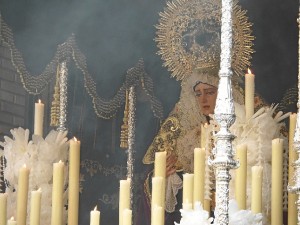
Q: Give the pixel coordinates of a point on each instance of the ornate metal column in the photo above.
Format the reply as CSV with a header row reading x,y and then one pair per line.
x,y
63,96
224,114
131,141
296,177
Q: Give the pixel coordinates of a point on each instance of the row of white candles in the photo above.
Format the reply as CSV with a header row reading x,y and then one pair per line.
x,y
57,194
193,186
276,159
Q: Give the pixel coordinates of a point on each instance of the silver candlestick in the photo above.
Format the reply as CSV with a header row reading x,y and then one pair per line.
x,y
295,187
131,140
223,157
63,96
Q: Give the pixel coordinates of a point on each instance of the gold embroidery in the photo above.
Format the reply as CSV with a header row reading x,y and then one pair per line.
x,y
165,140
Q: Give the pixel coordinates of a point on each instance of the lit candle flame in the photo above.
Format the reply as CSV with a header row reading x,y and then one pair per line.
x,y
12,218
40,189
95,208
40,101
24,166
249,71
75,139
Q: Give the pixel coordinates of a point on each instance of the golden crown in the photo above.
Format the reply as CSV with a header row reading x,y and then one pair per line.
x,y
189,37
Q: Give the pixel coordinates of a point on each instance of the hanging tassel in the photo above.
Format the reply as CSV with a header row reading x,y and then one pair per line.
x,y
124,127
55,102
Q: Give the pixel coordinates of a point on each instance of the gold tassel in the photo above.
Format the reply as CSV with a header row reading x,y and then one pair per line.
x,y
124,127
55,103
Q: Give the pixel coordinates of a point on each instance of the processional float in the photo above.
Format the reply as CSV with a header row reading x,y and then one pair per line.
x,y
223,160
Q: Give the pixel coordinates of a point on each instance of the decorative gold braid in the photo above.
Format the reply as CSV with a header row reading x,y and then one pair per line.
x,y
289,99
188,37
106,109
124,127
165,140
56,102
147,189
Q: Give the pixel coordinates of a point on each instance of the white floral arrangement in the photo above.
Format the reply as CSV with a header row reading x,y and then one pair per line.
x,y
195,217
236,216
38,154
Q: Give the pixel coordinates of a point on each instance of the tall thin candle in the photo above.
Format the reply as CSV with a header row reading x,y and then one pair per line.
x,y
160,164
95,217
256,189
57,193
22,195
249,94
127,217
188,185
160,171
3,208
74,173
158,219
124,200
199,175
38,119
277,185
241,177
35,207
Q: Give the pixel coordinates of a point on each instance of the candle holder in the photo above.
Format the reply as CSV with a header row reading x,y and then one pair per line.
x,y
131,141
223,155
63,96
295,187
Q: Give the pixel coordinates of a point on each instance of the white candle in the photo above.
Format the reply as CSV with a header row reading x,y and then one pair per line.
x,y
160,171
158,219
188,184
157,187
35,209
95,217
11,221
241,177
277,174
57,193
203,139
3,208
256,189
38,119
22,195
249,94
160,164
292,197
199,175
74,173
157,194
124,200
127,217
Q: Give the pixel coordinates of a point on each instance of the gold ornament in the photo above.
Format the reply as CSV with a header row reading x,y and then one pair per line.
x,y
124,127
189,37
165,140
55,103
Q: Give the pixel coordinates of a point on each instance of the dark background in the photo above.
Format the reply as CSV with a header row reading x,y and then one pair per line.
x,y
114,35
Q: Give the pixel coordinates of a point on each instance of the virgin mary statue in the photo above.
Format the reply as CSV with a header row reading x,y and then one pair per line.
x,y
188,37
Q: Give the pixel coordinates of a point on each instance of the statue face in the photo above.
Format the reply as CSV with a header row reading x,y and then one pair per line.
x,y
206,96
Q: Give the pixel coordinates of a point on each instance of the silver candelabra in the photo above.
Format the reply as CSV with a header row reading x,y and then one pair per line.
x,y
223,157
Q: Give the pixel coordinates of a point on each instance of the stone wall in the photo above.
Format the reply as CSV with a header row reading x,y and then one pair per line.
x,y
13,97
